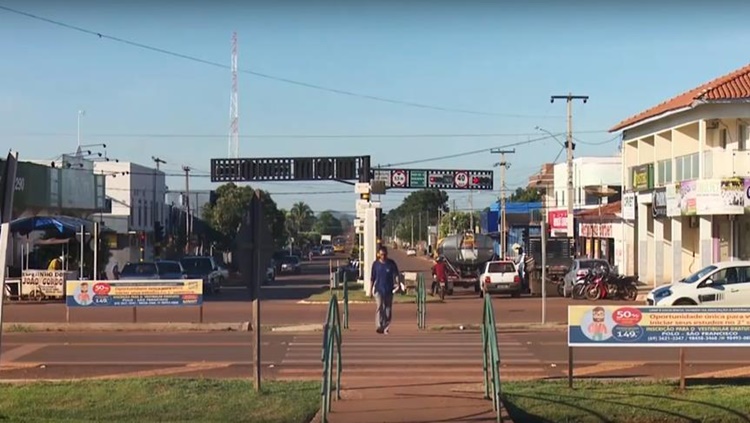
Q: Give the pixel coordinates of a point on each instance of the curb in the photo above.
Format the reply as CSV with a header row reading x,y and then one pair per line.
x,y
126,327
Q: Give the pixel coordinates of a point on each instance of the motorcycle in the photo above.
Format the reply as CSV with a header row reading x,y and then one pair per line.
x,y
581,285
606,286
438,288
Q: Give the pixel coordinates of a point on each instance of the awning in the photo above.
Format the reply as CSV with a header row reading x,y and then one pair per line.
x,y
64,225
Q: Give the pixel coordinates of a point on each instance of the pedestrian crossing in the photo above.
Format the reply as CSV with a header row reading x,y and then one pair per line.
x,y
415,354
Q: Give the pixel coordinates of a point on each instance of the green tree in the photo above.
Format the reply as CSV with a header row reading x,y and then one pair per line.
x,y
423,205
525,195
454,222
327,224
300,218
231,204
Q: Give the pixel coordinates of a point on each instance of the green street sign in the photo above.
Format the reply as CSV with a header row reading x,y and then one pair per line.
x,y
418,179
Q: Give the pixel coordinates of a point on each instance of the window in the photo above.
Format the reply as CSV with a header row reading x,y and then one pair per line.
x,y
140,213
742,136
687,167
664,172
557,203
501,267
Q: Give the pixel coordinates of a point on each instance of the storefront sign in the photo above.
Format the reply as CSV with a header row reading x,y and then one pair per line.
x,y
708,197
658,326
747,194
628,206
642,177
44,283
134,293
659,205
557,220
595,230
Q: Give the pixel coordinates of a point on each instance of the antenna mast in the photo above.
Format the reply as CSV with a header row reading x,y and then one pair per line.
x,y
234,111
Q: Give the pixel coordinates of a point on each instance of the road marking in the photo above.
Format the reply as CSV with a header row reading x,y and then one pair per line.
x,y
735,372
18,352
386,344
448,355
605,367
192,367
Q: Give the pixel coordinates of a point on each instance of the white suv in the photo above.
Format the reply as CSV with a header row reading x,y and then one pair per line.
x,y
723,284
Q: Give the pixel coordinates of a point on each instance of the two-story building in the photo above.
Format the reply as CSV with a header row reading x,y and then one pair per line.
x,y
686,167
137,194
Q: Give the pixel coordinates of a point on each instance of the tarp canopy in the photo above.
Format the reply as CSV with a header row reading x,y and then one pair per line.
x,y
64,225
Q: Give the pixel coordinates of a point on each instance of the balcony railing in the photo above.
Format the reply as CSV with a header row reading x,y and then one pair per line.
x,y
726,164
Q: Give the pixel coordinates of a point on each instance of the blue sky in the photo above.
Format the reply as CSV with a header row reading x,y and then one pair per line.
x,y
503,59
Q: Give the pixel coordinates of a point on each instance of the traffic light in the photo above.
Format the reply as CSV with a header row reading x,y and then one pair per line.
x,y
364,196
158,232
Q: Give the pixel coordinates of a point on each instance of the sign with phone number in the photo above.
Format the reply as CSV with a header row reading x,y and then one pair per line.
x,y
129,293
614,326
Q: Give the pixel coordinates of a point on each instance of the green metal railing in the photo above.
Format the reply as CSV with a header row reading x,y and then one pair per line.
x,y
346,300
421,302
491,356
331,352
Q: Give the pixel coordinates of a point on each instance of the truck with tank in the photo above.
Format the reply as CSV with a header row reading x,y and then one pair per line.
x,y
465,255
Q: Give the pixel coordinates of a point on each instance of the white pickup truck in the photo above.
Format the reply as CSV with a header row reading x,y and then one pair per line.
x,y
501,277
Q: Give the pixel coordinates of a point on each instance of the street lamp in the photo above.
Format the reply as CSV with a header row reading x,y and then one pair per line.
x,y
80,113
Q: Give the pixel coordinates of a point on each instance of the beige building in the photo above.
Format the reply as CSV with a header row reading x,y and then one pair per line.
x,y
686,167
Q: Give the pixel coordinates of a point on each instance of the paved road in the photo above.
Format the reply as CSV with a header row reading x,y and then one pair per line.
x,y
367,355
280,305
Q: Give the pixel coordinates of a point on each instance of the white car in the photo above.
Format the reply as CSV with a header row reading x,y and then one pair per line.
x,y
501,277
723,284
411,252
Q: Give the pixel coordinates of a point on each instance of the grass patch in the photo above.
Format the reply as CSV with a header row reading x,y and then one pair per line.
x,y
357,293
143,400
626,401
16,328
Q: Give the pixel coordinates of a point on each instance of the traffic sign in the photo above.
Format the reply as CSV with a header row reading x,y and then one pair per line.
x,y
461,179
382,175
418,179
481,180
398,178
291,169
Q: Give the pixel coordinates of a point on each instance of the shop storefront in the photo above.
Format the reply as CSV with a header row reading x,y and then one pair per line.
x,y
599,232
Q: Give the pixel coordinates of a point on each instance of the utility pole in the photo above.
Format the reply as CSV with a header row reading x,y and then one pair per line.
x,y
187,170
504,165
471,210
569,201
155,216
412,231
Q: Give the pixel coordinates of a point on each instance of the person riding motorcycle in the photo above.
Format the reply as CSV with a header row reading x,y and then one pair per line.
x,y
439,273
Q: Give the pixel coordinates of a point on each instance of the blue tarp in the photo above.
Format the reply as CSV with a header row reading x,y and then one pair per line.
x,y
63,224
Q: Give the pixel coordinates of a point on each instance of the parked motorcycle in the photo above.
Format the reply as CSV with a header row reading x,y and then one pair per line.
x,y
608,286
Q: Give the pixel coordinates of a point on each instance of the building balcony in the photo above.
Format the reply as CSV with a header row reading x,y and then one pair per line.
x,y
726,164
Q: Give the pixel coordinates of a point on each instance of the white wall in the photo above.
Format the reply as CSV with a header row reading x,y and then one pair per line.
x,y
587,171
131,188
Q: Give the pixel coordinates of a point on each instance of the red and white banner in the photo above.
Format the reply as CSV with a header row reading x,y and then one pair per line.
x,y
557,220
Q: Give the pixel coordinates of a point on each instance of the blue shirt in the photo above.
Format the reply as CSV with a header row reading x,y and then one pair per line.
x,y
383,275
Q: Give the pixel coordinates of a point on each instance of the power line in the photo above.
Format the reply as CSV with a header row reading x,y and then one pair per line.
x,y
607,141
261,74
290,136
467,153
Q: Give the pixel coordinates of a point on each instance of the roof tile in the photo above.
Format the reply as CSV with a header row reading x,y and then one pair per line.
x,y
732,86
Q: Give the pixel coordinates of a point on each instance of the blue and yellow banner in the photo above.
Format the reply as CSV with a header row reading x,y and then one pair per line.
x,y
590,326
133,293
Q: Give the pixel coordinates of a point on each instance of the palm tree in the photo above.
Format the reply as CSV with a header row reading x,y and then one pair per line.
x,y
300,218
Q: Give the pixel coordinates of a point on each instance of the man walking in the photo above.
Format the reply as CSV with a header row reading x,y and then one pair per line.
x,y
384,274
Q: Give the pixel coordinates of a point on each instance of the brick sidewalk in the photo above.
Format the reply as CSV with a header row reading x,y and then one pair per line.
x,y
413,401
